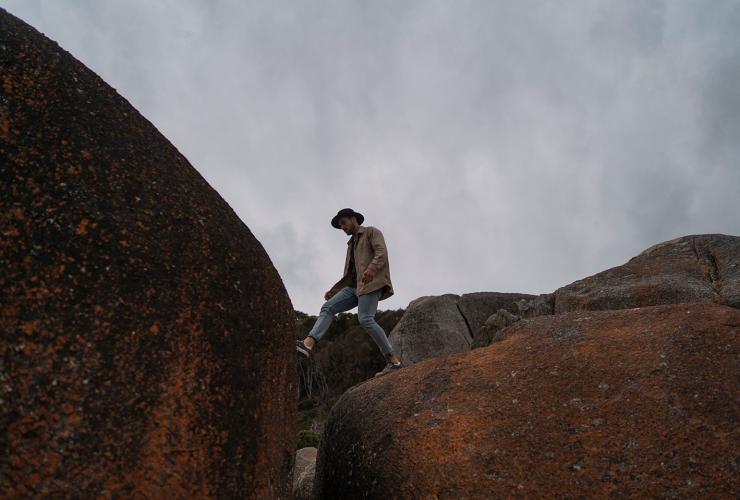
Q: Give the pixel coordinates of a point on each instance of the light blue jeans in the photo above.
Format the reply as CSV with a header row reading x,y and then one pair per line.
x,y
367,305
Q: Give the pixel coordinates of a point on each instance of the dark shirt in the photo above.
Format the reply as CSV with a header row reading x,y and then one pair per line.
x,y
352,270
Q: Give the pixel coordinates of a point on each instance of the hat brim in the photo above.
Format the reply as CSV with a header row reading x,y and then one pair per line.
x,y
335,219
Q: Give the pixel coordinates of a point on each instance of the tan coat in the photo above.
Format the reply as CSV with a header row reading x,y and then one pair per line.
x,y
370,250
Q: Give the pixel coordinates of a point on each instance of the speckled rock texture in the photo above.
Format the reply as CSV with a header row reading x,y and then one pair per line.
x,y
437,325
696,268
491,329
145,349
303,475
477,307
431,326
587,404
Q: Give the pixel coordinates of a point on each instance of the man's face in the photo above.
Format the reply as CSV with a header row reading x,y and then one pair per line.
x,y
347,224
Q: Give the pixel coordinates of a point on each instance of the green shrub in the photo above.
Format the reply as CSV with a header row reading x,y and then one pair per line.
x,y
307,438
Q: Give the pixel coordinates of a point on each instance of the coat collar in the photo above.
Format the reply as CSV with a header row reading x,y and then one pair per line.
x,y
360,230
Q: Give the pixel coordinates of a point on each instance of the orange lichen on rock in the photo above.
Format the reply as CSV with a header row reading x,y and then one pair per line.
x,y
635,402
82,226
116,378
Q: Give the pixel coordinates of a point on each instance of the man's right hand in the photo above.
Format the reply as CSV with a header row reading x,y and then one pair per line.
x,y
329,294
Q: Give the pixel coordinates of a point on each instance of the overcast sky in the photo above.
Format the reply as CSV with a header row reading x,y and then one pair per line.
x,y
499,146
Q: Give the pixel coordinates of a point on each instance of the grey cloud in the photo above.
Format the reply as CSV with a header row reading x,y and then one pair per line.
x,y
510,146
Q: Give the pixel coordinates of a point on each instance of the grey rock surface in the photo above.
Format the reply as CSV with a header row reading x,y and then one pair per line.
x,y
476,307
431,326
494,324
437,325
701,268
303,473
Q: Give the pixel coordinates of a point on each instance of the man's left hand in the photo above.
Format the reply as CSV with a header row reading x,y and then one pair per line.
x,y
368,275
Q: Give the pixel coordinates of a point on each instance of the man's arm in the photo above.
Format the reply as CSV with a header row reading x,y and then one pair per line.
x,y
376,239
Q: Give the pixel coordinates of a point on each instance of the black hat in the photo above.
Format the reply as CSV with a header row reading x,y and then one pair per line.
x,y
346,212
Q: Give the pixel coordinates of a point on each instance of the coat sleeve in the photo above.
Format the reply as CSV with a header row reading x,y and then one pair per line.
x,y
378,243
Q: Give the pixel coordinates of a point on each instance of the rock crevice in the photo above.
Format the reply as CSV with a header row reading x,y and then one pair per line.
x,y
470,333
707,262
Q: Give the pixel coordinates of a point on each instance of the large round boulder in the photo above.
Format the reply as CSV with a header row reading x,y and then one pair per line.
x,y
437,325
146,335
695,268
629,403
431,326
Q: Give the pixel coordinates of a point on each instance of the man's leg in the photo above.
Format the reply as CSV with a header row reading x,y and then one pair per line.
x,y
367,307
344,300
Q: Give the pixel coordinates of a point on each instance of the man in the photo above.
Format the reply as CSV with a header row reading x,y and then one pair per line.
x,y
367,258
